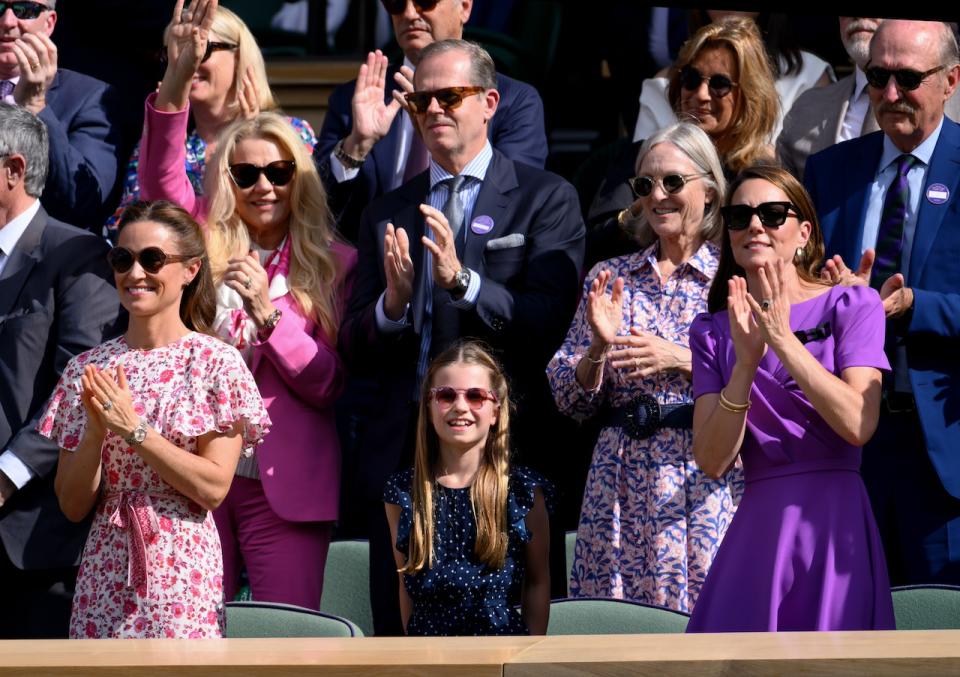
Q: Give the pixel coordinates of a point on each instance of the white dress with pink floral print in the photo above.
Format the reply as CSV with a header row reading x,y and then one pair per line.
x,y
152,565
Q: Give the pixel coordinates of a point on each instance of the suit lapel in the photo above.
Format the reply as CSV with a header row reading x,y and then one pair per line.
x,y
24,257
944,169
492,201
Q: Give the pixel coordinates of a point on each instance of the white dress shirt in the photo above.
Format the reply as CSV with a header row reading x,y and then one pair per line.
x,y
857,109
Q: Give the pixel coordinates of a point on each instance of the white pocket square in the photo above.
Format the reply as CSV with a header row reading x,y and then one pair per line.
x,y
507,242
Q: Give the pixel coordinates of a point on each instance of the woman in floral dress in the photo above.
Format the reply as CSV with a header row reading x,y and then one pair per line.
x,y
150,427
651,521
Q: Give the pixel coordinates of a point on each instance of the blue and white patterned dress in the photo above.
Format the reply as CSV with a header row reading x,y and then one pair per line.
x,y
651,520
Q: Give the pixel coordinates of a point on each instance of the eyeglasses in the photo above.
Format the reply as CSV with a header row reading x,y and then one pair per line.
x,y
771,214
278,173
152,259
24,10
445,396
642,186
718,85
399,6
211,48
907,78
448,98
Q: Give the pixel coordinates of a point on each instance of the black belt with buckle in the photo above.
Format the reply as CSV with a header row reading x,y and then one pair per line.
x,y
644,416
899,403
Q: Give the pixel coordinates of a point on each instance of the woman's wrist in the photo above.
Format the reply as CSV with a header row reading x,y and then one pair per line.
x,y
598,349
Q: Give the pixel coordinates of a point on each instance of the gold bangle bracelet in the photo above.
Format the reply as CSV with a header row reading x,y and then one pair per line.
x,y
733,406
593,361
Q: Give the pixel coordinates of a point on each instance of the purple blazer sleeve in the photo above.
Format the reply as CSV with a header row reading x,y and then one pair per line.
x,y
704,347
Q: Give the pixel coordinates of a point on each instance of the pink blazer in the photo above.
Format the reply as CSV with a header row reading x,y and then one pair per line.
x,y
298,370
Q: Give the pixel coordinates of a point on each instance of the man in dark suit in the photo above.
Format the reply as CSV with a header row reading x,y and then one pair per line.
x,y
892,197
478,246
56,300
79,112
368,147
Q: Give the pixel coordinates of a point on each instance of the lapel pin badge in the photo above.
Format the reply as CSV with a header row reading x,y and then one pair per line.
x,y
481,225
937,193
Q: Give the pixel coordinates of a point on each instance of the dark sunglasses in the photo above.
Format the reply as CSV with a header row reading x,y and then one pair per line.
x,y
399,6
771,214
211,48
718,85
447,395
448,98
24,10
152,259
278,173
642,186
907,78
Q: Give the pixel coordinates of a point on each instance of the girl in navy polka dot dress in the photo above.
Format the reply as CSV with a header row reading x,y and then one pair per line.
x,y
470,532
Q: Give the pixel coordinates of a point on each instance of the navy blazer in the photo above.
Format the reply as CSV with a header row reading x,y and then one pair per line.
x,y
56,300
517,130
84,149
839,179
527,297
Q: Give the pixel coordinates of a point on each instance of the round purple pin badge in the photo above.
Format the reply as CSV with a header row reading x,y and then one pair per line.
x,y
937,193
481,225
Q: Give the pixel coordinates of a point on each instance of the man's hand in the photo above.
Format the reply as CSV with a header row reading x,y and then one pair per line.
x,y
7,488
443,246
896,298
836,271
37,59
371,116
398,269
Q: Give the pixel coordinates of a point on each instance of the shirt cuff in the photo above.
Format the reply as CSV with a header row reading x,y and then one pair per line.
x,y
469,299
15,469
341,173
384,323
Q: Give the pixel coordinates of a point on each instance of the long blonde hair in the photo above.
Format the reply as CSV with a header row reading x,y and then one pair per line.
x,y
748,138
488,494
313,266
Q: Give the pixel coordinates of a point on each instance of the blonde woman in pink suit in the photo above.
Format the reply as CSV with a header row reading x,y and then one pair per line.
x,y
283,278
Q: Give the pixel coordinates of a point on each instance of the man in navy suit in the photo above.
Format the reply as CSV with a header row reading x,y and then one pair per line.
x,y
367,145
478,245
891,201
56,300
78,111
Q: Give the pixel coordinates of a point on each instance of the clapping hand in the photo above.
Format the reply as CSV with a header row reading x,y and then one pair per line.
x,y
398,269
37,62
605,311
642,354
247,277
772,314
443,247
748,342
111,398
248,96
835,270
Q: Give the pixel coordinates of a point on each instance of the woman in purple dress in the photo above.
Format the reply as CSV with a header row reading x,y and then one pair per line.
x,y
786,374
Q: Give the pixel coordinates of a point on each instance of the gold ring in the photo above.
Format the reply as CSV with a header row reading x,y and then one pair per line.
x,y
636,361
34,65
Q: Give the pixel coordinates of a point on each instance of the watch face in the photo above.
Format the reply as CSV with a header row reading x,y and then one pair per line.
x,y
140,434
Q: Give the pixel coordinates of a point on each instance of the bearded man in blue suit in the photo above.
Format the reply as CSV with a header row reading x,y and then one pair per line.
x,y
889,205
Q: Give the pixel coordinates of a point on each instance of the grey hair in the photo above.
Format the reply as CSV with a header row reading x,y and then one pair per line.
x,y
694,143
483,71
23,133
949,51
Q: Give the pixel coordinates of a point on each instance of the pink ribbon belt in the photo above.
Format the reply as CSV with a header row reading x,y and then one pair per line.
x,y
134,513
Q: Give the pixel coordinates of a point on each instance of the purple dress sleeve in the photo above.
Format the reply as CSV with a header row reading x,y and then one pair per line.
x,y
860,326
704,347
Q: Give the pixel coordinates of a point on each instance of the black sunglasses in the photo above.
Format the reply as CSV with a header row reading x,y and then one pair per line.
x,y
448,98
907,78
24,10
399,6
278,173
718,85
211,48
771,214
447,395
152,259
642,186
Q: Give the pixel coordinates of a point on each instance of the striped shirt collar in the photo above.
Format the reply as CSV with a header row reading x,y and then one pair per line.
x,y
476,168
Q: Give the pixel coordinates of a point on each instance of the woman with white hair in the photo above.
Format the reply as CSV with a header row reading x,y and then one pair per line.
x,y
651,521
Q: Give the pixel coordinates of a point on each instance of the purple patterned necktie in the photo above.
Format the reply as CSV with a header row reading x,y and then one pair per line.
x,y
6,89
890,233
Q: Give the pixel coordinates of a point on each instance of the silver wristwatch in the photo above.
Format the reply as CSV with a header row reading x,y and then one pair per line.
x,y
346,159
138,435
461,283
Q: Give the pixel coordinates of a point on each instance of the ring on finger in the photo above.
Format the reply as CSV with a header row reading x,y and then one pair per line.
x,y
636,362
107,405
766,304
247,283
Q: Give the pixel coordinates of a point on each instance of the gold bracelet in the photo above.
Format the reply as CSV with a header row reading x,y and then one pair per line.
x,y
593,361
732,406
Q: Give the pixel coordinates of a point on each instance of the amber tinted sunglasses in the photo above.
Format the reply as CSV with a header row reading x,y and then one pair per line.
x,y
448,98
152,259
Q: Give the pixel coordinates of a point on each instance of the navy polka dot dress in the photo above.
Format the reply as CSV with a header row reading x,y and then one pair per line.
x,y
460,595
